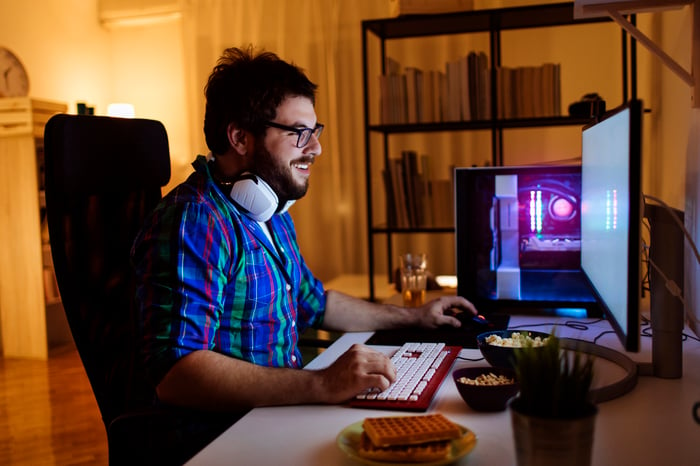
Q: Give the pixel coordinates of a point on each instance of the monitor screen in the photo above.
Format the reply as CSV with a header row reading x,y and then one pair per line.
x,y
611,214
518,235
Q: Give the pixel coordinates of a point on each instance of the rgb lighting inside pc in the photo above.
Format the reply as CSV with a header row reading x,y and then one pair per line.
x,y
519,237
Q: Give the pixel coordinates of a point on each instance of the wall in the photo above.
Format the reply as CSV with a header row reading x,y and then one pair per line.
x,y
71,58
60,43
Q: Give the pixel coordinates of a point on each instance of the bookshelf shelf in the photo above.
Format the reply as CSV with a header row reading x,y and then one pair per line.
x,y
379,33
402,27
479,124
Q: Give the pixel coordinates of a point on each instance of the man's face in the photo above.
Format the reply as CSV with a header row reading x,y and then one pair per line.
x,y
277,160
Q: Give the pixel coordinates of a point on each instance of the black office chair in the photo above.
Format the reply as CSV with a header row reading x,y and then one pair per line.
x,y
103,176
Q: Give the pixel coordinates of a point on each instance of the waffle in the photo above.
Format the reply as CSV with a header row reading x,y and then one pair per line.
x,y
409,430
420,453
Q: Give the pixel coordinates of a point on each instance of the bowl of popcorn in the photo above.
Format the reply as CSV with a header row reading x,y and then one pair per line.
x,y
498,347
486,388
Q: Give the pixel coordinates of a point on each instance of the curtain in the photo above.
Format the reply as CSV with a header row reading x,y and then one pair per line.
x,y
324,38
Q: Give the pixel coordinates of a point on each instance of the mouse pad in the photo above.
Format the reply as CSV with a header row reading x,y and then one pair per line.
x,y
464,336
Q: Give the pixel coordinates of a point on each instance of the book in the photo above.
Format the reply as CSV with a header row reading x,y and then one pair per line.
x,y
412,186
444,98
426,95
438,78
484,88
473,85
454,98
391,210
412,108
548,89
426,198
392,93
465,89
399,197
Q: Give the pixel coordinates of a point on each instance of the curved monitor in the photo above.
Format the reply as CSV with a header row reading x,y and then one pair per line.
x,y
612,207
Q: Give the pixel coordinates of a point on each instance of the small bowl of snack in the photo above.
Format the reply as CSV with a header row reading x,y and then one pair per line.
x,y
486,388
498,347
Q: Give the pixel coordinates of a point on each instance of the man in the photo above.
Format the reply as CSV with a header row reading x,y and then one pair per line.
x,y
223,289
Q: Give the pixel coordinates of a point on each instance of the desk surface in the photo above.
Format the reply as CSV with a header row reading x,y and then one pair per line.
x,y
651,425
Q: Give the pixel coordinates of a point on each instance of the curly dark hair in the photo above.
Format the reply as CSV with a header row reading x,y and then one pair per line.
x,y
246,88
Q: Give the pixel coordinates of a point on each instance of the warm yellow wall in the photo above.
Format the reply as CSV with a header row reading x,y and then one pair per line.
x,y
62,46
149,71
669,123
71,58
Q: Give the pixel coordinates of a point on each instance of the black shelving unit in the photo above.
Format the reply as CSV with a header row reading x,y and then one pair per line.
x,y
493,22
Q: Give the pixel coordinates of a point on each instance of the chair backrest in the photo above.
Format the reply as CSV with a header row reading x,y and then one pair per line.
x,y
103,176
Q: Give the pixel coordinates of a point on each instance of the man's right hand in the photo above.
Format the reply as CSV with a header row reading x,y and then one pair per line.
x,y
356,370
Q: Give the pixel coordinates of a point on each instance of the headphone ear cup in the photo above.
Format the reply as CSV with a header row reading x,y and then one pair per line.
x,y
255,197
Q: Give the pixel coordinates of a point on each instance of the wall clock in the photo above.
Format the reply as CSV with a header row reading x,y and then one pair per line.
x,y
14,81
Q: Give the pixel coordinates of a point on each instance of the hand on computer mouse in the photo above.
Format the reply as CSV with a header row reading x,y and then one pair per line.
x,y
438,312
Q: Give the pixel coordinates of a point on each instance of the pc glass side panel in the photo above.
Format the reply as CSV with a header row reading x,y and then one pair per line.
x,y
518,238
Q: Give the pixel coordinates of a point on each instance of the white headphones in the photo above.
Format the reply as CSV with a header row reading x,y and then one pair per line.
x,y
256,198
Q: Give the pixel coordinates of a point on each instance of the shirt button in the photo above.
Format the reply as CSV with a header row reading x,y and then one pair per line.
x,y
289,287
294,323
294,359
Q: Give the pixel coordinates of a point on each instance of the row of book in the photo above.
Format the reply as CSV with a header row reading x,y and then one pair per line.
x,y
463,91
415,198
529,91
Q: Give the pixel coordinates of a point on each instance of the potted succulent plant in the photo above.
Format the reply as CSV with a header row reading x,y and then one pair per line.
x,y
552,416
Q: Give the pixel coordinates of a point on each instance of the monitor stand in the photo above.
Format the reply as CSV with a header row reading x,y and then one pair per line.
x,y
666,250
666,310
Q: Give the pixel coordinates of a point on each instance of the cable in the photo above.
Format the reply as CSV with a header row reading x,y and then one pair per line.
x,y
600,335
645,329
674,289
576,325
646,282
671,285
470,359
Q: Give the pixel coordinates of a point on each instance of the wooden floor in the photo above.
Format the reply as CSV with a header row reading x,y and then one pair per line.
x,y
48,415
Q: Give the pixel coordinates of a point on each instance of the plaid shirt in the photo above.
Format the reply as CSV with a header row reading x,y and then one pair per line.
x,y
208,277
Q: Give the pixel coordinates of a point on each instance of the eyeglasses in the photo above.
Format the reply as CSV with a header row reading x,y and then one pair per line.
x,y
303,134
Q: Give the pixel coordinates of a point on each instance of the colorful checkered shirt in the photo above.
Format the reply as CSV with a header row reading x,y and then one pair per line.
x,y
208,277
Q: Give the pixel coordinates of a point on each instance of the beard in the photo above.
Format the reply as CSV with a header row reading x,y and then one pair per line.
x,y
278,175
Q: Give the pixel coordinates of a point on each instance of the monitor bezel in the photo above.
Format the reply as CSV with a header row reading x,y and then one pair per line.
x,y
628,335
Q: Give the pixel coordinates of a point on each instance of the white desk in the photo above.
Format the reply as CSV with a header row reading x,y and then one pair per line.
x,y
651,425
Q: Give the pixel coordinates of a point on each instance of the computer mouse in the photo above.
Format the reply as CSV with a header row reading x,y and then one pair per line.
x,y
481,320
468,319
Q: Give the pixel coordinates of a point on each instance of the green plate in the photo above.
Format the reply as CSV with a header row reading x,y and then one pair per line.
x,y
349,441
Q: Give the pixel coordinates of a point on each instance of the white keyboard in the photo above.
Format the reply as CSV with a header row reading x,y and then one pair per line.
x,y
420,369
